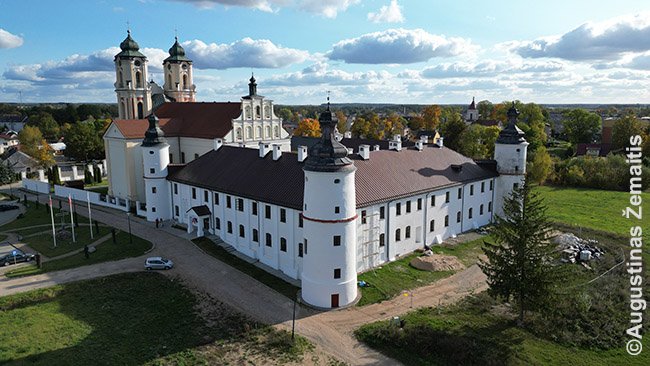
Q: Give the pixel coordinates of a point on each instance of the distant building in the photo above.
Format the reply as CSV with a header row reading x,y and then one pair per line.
x,y
19,162
471,115
12,122
7,140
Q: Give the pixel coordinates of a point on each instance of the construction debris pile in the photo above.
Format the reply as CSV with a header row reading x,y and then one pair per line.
x,y
577,250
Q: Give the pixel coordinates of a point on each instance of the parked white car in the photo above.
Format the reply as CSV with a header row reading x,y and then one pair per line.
x,y
158,263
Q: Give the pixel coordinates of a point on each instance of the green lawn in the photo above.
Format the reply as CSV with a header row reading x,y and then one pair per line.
x,y
394,277
106,251
472,333
257,273
590,208
131,319
33,216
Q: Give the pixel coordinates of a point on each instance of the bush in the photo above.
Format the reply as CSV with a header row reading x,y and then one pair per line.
x,y
610,173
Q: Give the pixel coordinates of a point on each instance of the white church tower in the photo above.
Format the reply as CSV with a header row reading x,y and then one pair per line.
x,y
510,154
133,91
472,113
155,159
179,84
329,274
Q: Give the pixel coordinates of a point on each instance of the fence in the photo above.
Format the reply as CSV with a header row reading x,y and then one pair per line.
x,y
78,194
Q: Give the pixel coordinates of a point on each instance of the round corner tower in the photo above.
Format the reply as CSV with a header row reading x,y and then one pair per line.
x,y
329,274
155,159
510,152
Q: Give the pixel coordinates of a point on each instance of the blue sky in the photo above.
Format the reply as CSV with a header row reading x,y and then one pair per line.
x,y
395,51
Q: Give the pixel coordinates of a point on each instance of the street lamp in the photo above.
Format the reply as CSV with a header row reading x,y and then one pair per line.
x,y
128,217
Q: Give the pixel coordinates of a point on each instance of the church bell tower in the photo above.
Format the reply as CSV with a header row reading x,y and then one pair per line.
x,y
179,85
133,91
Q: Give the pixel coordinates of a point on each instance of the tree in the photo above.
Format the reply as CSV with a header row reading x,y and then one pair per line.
x,y
477,141
44,155
6,174
82,142
623,129
30,138
285,114
308,127
431,117
392,125
540,166
452,130
485,108
342,125
581,126
518,265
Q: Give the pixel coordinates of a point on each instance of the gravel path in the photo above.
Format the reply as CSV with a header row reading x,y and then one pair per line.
x,y
332,331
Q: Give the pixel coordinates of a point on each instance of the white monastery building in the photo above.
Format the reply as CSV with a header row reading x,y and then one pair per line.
x,y
320,215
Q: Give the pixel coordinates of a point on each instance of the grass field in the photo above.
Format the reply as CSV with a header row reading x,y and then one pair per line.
x,y
257,273
394,277
106,251
132,319
591,208
474,332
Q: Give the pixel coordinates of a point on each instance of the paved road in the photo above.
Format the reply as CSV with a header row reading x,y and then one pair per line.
x,y
330,330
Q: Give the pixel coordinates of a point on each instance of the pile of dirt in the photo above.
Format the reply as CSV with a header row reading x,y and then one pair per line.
x,y
437,262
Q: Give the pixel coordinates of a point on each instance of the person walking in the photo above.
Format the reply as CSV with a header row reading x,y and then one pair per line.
x,y
157,223
86,251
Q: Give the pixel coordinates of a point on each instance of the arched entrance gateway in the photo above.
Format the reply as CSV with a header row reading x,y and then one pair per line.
x,y
198,217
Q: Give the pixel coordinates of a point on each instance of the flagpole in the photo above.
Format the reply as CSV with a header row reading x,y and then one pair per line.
x,y
52,217
90,218
74,240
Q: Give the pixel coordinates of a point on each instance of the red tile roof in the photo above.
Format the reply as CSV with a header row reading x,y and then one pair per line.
x,y
200,120
387,175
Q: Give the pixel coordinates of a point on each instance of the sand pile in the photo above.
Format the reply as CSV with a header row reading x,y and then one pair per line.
x,y
437,262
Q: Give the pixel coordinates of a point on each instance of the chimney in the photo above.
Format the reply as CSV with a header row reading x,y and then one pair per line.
x,y
347,135
241,144
277,151
419,145
424,138
364,152
264,149
302,153
350,151
397,138
375,148
395,145
440,142
217,144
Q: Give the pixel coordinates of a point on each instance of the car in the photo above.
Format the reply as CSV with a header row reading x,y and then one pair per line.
x,y
16,256
158,263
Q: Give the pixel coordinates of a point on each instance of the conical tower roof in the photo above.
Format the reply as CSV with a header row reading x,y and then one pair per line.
x,y
129,47
511,134
328,155
177,52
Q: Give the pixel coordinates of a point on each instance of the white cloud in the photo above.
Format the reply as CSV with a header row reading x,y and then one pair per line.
x,y
399,46
320,73
263,5
8,40
592,41
391,13
326,8
637,61
487,68
242,53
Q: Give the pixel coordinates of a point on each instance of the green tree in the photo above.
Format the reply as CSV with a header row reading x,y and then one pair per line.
x,y
581,126
30,138
485,109
452,129
6,174
285,114
623,129
82,142
519,266
540,166
342,125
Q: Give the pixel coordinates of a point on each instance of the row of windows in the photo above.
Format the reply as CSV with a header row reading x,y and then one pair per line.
x,y
258,132
258,112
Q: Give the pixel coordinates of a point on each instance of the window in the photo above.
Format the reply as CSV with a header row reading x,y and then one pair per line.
x,y
447,221
238,133
458,217
176,210
470,213
276,131
206,196
152,171
182,157
480,210
491,184
258,112
398,235
228,201
153,189
398,208
175,188
408,206
217,223
446,197
153,209
254,208
433,201
240,204
267,212
337,273
196,156
337,209
269,240
256,236
419,204
460,193
249,132
229,227
407,234
482,187
193,193
283,244
382,213
283,215
337,181
216,198
305,246
150,151
242,233
382,239
471,189
300,249
432,225
363,217
171,158
300,220
515,185
489,206
337,240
